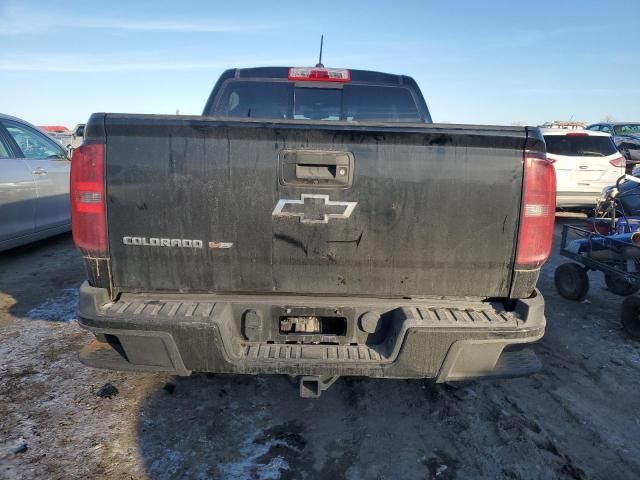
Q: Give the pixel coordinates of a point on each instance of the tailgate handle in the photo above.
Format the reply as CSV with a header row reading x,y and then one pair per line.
x,y
305,171
316,168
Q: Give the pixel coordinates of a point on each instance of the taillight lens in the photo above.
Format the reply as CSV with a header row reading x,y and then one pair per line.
x,y
618,161
538,211
88,221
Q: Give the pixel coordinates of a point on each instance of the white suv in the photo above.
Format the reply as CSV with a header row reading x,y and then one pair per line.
x,y
586,162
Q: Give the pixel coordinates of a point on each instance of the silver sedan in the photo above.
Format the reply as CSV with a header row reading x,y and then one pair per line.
x,y
34,184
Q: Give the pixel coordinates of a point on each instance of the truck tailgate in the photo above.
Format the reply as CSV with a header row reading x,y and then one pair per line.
x,y
201,205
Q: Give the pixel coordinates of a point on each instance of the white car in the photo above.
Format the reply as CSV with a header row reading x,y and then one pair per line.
x,y
585,162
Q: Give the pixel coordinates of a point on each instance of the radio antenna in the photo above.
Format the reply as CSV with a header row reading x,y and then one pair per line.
x,y
319,64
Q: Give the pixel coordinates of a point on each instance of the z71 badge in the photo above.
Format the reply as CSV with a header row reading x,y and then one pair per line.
x,y
216,245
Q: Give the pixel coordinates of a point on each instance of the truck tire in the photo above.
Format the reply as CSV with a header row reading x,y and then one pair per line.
x,y
620,286
631,317
571,281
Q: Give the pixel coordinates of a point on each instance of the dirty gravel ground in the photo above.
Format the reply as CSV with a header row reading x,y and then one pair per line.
x,y
577,419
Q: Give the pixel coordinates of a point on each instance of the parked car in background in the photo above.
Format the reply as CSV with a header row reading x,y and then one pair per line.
x,y
69,139
59,133
566,125
77,137
626,136
586,162
34,184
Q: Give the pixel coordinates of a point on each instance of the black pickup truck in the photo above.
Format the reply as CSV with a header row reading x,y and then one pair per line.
x,y
312,222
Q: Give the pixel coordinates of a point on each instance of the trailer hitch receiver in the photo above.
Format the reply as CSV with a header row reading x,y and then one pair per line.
x,y
312,386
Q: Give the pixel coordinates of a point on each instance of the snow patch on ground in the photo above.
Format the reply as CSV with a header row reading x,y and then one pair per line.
x,y
248,465
58,309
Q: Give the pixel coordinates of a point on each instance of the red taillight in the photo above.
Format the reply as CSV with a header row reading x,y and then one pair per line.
x,y
538,211
618,161
317,74
88,221
577,134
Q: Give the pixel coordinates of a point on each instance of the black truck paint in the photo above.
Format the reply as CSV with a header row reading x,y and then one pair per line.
x,y
402,234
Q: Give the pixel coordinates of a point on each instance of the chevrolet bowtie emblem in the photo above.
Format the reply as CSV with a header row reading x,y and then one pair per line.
x,y
313,208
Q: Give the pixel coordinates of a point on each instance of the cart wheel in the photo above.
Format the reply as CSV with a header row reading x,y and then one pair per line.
x,y
631,317
620,286
571,281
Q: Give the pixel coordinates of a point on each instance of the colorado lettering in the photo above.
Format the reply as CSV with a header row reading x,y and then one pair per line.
x,y
162,242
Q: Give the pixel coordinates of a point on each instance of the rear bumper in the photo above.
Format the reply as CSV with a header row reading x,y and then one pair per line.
x,y
441,339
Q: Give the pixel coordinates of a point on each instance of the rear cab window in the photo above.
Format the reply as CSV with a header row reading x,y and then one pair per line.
x,y
273,99
580,145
